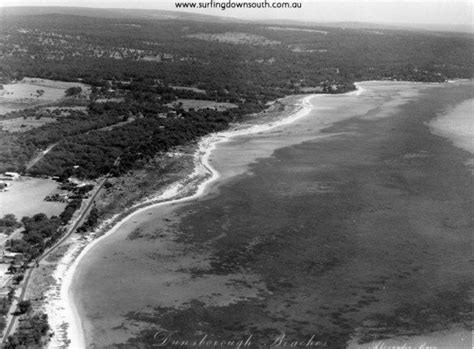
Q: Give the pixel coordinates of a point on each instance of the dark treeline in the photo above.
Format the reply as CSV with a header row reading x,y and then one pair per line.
x,y
122,148
30,333
18,148
39,229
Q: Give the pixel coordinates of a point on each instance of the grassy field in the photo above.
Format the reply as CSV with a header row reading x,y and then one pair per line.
x,y
25,197
22,124
235,38
201,104
29,93
187,88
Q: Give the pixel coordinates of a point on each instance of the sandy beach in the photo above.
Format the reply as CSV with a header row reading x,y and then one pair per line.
x,y
61,309
64,316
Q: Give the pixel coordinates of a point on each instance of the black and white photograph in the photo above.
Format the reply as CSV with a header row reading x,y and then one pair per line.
x,y
236,174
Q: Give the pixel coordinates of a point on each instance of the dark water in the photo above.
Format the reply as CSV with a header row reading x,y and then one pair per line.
x,y
365,234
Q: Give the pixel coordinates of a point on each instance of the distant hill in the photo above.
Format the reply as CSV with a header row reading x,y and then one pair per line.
x,y
112,13
180,15
454,28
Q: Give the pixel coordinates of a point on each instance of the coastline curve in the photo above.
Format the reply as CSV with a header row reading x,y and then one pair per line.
x,y
192,187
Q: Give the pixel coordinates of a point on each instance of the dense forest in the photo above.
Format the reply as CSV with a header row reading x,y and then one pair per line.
x,y
137,66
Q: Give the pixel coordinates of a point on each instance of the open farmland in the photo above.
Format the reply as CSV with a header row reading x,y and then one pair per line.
x,y
24,124
235,38
187,88
25,197
197,104
29,93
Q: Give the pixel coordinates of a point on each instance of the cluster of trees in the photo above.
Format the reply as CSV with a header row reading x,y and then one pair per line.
x,y
16,149
69,210
8,224
123,148
85,150
90,222
23,307
73,91
39,230
30,333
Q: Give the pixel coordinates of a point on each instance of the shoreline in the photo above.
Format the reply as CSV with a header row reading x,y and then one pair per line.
x,y
187,189
69,325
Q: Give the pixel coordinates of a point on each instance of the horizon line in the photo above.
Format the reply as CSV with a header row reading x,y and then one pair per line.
x,y
398,25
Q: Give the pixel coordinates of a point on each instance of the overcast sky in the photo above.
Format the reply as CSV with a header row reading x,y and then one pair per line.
x,y
403,11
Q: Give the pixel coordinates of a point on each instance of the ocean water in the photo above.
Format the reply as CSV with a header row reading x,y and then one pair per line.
x,y
457,123
351,224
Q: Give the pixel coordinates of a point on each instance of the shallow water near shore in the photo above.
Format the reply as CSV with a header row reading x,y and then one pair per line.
x,y
457,124
352,223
